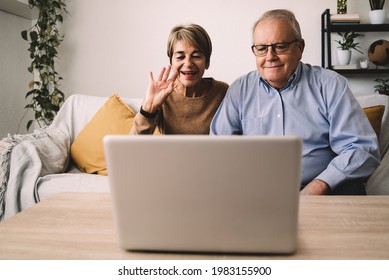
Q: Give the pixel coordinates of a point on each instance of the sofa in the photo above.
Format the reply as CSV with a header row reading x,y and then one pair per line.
x,y
38,165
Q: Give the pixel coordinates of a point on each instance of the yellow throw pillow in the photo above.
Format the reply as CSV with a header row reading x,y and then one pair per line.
x,y
87,151
374,114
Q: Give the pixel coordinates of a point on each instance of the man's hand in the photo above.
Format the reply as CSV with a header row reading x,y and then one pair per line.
x,y
315,187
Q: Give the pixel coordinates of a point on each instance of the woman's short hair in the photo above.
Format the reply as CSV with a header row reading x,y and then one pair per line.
x,y
193,34
281,14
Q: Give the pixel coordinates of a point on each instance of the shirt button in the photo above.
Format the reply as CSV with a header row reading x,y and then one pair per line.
x,y
278,116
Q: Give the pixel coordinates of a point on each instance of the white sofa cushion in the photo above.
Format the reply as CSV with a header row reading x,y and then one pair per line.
x,y
70,182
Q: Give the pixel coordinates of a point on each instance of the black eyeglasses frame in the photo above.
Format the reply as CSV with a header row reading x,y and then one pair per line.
x,y
273,47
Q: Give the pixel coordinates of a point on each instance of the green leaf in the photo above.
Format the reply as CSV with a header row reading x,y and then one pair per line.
x,y
56,4
49,115
42,24
29,123
34,36
31,92
24,35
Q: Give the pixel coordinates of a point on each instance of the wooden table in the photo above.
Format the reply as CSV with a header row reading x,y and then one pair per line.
x,y
80,226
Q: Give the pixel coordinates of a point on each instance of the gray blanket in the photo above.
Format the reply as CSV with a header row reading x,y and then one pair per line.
x,y
25,158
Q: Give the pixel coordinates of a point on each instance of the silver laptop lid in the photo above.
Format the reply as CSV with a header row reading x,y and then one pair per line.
x,y
205,193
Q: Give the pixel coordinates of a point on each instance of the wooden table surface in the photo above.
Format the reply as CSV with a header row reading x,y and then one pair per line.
x,y
80,226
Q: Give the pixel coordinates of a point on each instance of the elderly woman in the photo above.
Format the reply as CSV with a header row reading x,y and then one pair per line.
x,y
185,102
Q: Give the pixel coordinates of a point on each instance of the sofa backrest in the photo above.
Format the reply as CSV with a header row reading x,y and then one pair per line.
x,y
79,109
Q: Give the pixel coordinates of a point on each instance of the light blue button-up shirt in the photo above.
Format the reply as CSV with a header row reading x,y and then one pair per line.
x,y
317,105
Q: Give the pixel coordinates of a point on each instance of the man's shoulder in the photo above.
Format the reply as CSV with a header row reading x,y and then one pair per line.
x,y
319,71
250,77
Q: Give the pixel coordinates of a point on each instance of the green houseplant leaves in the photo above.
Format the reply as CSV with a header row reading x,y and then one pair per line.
x,y
347,42
376,4
45,97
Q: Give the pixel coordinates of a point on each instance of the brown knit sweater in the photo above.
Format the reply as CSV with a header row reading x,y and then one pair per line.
x,y
184,115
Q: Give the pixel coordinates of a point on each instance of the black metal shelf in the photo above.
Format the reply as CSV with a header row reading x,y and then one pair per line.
x,y
333,27
327,28
360,71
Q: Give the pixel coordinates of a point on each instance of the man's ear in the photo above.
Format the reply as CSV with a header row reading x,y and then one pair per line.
x,y
301,45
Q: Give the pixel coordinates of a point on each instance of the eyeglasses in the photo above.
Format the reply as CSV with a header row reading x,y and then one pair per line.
x,y
277,48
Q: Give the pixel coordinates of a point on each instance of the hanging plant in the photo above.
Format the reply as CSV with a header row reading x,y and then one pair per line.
x,y
45,97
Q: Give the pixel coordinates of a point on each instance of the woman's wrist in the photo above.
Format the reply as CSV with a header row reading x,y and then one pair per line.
x,y
149,106
147,114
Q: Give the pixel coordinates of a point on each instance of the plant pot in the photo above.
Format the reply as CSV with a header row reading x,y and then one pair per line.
x,y
344,57
377,16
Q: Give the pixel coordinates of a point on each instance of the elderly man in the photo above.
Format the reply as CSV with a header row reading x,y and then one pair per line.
x,y
288,97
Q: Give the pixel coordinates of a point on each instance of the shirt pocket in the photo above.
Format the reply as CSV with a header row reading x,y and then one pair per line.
x,y
257,125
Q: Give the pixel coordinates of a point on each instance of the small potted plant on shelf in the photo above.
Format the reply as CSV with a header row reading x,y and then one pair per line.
x,y
382,86
377,15
346,44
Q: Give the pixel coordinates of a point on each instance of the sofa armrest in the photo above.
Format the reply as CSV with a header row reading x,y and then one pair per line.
x,y
27,158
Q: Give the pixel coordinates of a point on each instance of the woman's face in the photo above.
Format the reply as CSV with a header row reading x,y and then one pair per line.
x,y
189,62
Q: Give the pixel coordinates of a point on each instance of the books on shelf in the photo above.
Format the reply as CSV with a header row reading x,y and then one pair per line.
x,y
344,67
345,18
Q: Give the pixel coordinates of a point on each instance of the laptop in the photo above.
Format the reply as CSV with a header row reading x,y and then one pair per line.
x,y
221,194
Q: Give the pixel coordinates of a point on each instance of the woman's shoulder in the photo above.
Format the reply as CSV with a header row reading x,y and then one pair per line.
x,y
216,83
216,89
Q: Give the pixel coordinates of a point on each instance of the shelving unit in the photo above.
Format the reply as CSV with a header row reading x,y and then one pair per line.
x,y
327,28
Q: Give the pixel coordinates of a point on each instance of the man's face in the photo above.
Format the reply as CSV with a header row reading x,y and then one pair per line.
x,y
277,68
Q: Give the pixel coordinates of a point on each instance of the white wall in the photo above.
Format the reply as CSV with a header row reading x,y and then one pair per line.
x,y
110,46
14,77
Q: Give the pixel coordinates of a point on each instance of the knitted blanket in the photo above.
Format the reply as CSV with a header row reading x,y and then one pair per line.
x,y
6,146
36,154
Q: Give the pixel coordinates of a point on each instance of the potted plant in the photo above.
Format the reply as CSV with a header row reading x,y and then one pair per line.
x,y
346,44
44,38
377,15
382,86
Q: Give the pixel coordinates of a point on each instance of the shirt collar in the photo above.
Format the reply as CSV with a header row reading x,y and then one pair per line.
x,y
293,80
